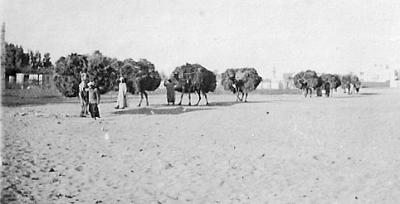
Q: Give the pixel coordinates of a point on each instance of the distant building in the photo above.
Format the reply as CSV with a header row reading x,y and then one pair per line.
x,y
285,82
395,78
265,84
379,73
288,81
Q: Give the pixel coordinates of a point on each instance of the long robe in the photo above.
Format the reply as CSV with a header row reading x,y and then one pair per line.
x,y
170,86
94,100
84,98
121,100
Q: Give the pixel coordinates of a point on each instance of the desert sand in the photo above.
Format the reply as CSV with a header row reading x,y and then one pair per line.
x,y
273,149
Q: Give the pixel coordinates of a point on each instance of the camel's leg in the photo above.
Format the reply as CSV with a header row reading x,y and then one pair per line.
x,y
310,93
205,96
245,100
199,98
141,99
305,92
237,94
147,100
180,102
190,101
241,99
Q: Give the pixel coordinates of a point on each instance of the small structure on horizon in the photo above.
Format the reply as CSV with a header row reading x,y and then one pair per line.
x,y
395,79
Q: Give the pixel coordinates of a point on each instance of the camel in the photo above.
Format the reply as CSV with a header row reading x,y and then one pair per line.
x,y
350,83
147,82
307,81
241,81
330,83
141,77
194,78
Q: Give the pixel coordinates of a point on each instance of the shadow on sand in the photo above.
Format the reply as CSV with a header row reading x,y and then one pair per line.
x,y
231,103
368,94
173,110
356,95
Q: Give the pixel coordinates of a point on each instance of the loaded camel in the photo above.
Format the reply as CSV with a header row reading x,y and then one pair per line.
x,y
241,80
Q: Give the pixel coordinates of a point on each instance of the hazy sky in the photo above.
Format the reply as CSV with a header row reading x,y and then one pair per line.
x,y
292,35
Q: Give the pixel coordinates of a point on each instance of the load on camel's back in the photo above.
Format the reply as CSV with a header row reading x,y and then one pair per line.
x,y
307,81
241,80
350,82
194,78
140,77
330,82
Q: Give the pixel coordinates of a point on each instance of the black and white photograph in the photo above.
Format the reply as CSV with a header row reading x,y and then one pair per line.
x,y
200,101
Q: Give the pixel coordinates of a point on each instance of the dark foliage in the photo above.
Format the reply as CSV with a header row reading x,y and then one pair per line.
x,y
67,77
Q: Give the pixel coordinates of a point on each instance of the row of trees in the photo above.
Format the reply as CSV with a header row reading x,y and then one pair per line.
x,y
104,70
18,61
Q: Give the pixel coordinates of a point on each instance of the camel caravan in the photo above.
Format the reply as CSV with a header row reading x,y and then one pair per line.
x,y
141,77
309,80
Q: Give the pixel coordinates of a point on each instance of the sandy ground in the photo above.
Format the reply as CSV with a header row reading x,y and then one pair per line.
x,y
274,149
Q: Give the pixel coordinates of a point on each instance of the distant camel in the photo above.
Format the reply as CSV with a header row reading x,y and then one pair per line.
x,y
241,80
307,81
350,83
330,83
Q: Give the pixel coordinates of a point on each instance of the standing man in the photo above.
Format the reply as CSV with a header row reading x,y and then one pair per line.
x,y
83,94
121,100
94,100
170,86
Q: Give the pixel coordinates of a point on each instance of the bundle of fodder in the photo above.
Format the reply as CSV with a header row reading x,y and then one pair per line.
x,y
228,80
348,81
336,79
241,80
356,82
190,78
298,80
140,76
249,77
330,82
326,83
194,77
307,81
183,76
